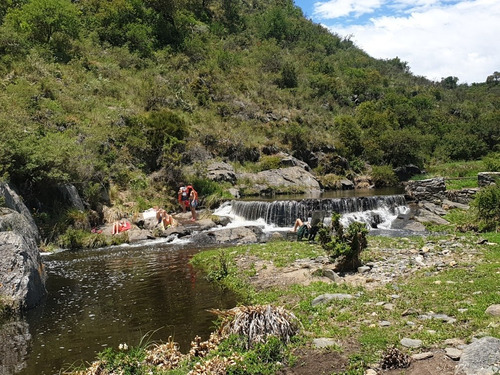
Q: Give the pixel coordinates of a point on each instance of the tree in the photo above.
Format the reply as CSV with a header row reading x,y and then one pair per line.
x,y
40,20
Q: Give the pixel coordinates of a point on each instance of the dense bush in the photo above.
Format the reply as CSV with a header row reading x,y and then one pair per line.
x,y
487,203
344,245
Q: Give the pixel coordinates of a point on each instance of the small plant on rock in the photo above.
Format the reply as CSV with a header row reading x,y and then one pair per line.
x,y
344,246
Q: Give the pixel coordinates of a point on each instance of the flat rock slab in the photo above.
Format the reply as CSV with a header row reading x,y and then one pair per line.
x,y
411,343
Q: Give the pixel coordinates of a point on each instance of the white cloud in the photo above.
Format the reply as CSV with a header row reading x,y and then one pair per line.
x,y
339,8
437,40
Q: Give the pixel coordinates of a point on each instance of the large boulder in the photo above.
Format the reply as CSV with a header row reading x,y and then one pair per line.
x,y
22,276
14,346
70,197
221,172
481,357
283,180
12,200
238,235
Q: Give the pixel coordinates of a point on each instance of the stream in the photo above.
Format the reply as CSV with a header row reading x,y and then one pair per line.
x,y
101,298
143,293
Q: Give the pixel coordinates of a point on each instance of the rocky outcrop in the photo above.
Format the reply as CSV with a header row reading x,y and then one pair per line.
x,y
290,161
283,179
70,197
14,346
22,275
221,172
238,235
22,280
13,201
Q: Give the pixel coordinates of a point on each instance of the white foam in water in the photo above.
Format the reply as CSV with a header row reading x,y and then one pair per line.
x,y
225,210
380,218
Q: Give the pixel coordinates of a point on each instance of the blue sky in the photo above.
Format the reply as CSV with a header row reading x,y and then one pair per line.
x,y
437,38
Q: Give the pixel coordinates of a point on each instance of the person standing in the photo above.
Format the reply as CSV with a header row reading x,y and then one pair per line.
x,y
193,201
183,198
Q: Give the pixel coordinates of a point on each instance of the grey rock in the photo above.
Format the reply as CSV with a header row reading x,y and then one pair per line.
x,y
325,298
324,342
448,205
482,357
411,343
22,276
14,202
384,323
13,221
363,269
70,197
290,161
453,353
283,178
221,172
425,190
14,346
423,215
493,310
488,178
421,356
435,209
240,235
332,275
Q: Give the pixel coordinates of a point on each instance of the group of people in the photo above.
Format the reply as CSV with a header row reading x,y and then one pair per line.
x,y
188,200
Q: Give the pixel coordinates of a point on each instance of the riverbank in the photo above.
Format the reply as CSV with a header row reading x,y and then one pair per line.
x,y
434,290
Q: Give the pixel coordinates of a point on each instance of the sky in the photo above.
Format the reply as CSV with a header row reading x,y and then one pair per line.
x,y
437,38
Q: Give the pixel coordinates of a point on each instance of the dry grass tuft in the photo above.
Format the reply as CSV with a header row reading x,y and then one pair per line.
x,y
258,322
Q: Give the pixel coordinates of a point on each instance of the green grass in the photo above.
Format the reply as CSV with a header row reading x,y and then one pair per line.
x,y
462,292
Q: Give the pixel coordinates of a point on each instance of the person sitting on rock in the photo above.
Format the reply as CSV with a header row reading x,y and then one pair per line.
x,y
165,219
120,226
302,229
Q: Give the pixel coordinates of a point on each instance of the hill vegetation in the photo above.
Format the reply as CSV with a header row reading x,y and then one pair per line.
x,y
127,95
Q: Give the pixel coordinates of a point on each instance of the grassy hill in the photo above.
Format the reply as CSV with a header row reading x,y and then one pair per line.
x,y
124,95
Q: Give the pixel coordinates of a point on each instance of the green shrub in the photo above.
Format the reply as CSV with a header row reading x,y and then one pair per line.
x,y
487,203
345,246
72,239
383,176
492,162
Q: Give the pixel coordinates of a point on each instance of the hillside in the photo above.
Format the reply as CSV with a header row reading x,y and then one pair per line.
x,y
134,96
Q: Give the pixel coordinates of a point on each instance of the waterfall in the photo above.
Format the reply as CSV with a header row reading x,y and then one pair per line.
x,y
375,211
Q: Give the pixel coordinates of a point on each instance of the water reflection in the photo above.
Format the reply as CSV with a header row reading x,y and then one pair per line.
x,y
105,297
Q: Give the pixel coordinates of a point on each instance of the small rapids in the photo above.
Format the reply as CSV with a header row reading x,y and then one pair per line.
x,y
376,211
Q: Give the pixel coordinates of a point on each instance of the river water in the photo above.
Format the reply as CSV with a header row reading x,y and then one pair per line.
x,y
101,298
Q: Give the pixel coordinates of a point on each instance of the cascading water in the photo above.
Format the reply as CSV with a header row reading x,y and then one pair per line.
x,y
375,211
